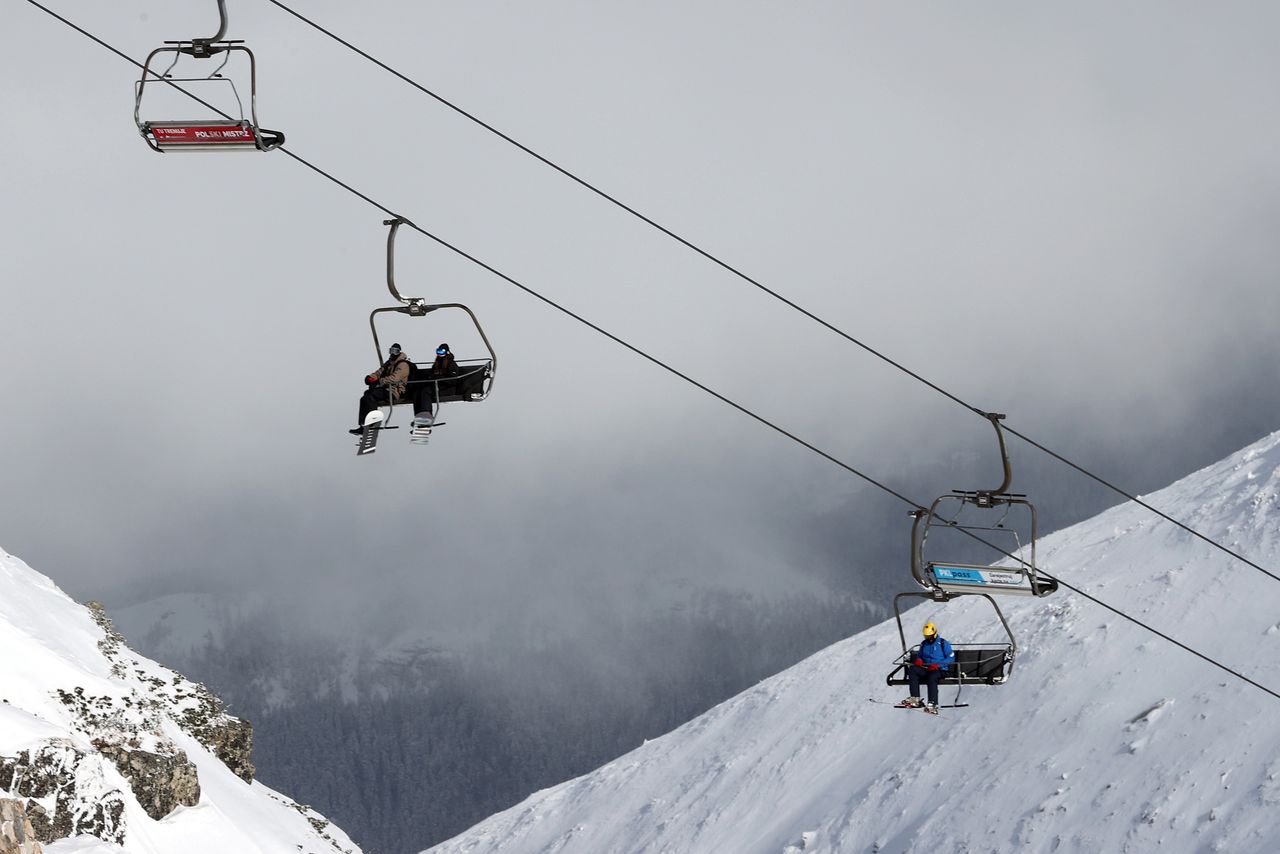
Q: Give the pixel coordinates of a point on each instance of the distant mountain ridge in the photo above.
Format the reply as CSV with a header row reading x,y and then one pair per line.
x,y
1107,738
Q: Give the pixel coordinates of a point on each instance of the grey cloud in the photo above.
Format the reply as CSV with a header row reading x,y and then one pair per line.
x,y
1038,208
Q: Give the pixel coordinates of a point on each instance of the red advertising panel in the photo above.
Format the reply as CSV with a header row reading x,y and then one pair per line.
x,y
201,134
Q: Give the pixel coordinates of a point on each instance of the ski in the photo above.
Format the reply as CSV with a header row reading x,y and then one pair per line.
x,y
368,441
918,708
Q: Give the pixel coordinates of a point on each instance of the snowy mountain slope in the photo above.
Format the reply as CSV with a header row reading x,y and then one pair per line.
x,y
117,735
1106,739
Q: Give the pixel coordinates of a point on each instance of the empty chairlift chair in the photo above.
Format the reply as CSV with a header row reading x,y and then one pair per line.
x,y
215,130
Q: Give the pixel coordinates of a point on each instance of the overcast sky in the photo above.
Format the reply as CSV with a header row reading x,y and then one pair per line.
x,y
1063,212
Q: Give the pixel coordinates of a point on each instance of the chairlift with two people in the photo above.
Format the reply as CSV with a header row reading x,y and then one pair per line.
x,y
426,391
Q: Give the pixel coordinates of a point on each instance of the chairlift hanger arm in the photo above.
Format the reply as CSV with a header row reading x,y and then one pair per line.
x,y
222,24
995,418
204,47
395,224
917,550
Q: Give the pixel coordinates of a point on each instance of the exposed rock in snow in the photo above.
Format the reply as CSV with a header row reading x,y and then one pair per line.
x,y
192,705
67,792
161,782
102,750
16,833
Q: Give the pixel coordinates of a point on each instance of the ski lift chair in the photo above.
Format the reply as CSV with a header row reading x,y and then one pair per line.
x,y
1020,579
475,376
942,582
221,133
474,379
976,663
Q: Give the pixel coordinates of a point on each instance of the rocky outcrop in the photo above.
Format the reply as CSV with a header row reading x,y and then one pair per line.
x,y
228,738
191,705
67,793
160,782
60,789
321,824
103,748
16,834
64,786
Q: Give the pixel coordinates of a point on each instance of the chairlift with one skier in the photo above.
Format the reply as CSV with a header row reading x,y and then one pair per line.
x,y
943,581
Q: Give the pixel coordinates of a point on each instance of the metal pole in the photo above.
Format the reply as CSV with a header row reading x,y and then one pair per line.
x,y
222,24
391,257
995,418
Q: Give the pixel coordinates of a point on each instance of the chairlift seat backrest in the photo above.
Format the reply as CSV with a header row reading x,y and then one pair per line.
x,y
984,664
467,385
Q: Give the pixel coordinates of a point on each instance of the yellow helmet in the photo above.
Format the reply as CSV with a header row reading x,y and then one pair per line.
x,y
930,630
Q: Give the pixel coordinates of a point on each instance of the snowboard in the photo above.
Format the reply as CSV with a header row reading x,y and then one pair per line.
x,y
368,442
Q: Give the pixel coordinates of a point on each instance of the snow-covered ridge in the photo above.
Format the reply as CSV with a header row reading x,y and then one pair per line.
x,y
102,750
1106,738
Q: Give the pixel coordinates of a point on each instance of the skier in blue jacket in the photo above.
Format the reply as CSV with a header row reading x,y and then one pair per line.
x,y
934,660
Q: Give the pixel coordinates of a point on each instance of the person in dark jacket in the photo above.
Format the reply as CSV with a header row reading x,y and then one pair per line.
x,y
934,660
443,367
386,385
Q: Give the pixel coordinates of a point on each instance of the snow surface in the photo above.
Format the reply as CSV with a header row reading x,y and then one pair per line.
x,y
1107,738
48,642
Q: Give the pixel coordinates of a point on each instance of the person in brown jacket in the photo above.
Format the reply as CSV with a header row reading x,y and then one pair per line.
x,y
386,386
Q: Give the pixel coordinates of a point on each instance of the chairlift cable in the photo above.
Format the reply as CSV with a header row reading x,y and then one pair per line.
x,y
760,285
1113,609
619,203
1135,499
667,367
